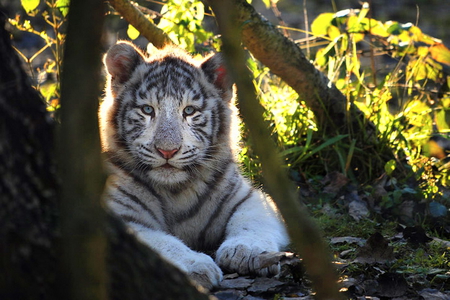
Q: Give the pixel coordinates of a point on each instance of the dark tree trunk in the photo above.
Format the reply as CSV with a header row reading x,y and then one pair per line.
x,y
28,186
30,215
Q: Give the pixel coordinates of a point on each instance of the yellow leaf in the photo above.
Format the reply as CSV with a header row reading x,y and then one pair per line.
x,y
333,32
319,26
440,53
132,32
29,5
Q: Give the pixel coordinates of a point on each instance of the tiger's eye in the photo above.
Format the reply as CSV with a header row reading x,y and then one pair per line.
x,y
148,110
188,111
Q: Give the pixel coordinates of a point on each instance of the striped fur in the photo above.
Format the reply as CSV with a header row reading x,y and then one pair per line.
x,y
166,123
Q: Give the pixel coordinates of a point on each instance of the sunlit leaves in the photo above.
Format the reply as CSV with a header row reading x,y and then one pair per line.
x,y
132,32
29,5
440,53
182,20
321,24
53,14
63,6
390,166
409,102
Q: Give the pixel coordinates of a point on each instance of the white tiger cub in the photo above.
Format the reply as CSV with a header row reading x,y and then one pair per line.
x,y
165,124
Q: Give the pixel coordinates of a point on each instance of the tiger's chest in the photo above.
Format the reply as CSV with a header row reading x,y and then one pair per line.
x,y
196,216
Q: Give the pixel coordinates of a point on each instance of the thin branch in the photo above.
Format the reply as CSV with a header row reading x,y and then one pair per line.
x,y
303,231
136,18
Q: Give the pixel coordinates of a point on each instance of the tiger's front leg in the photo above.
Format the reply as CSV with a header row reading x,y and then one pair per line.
x,y
254,229
199,267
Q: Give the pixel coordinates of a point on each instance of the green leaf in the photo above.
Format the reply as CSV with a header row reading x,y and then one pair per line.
x,y
29,5
437,210
394,27
389,167
327,143
63,6
132,32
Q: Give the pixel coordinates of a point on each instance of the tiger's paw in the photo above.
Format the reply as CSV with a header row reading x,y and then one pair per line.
x,y
244,259
204,271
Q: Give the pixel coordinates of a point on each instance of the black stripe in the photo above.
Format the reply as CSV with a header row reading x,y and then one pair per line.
x,y
135,129
213,122
234,209
127,205
201,132
234,188
139,202
211,187
187,157
132,173
131,219
223,127
135,176
121,118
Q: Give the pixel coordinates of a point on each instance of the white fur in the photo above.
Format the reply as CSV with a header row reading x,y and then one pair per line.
x,y
191,200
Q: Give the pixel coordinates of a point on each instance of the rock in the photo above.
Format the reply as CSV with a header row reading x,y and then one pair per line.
x,y
239,283
263,285
229,295
349,240
432,294
358,210
376,250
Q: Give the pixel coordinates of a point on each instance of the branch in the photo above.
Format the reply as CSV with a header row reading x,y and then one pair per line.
x,y
286,60
133,16
302,230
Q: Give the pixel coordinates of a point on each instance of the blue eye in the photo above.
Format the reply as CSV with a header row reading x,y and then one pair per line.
x,y
188,111
148,110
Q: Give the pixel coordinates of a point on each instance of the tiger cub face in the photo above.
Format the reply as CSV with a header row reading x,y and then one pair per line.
x,y
165,116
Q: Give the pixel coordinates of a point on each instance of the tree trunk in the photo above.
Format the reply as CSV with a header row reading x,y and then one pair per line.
x,y
30,216
83,255
28,186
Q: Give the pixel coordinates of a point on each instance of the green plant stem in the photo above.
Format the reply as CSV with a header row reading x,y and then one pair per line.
x,y
303,231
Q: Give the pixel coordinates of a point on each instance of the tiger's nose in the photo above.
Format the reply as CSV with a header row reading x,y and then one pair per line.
x,y
167,154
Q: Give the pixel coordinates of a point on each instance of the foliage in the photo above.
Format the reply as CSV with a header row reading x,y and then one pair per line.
x,y
51,32
408,100
183,21
394,73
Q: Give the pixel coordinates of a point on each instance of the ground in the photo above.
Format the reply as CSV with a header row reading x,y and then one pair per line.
x,y
397,253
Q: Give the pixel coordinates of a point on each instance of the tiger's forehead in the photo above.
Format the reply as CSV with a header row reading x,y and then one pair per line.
x,y
170,78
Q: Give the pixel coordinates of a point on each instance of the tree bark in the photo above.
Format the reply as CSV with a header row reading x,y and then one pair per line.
x,y
83,256
28,186
30,201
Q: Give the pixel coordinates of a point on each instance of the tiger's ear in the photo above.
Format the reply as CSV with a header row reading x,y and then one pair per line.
x,y
121,60
216,72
